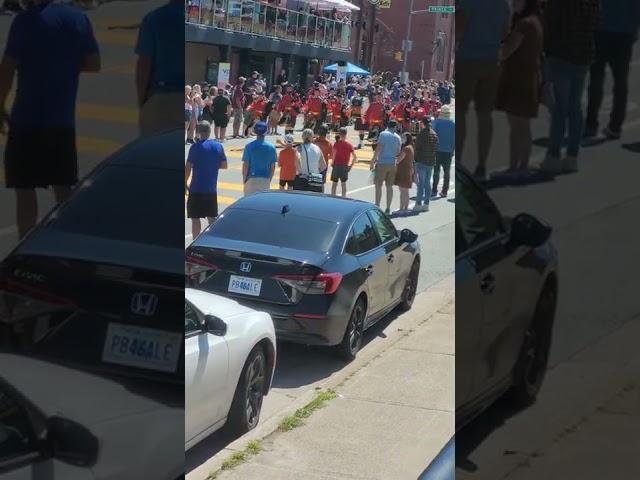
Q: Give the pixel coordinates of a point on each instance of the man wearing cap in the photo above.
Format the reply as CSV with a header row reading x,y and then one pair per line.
x,y
258,162
384,162
445,129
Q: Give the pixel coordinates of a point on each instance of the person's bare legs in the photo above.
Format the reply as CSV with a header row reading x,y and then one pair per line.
x,y
61,193
404,199
389,196
196,227
378,193
334,187
211,219
343,185
223,133
485,134
26,210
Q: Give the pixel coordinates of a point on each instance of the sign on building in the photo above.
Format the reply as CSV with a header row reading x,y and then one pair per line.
x,y
224,73
441,9
384,3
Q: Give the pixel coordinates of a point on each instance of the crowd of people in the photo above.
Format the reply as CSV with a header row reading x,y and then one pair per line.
x,y
542,52
366,102
403,157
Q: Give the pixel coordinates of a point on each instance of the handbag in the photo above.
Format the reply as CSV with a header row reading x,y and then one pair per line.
x,y
312,181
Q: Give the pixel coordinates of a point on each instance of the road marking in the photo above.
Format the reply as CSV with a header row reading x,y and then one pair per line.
x,y
107,113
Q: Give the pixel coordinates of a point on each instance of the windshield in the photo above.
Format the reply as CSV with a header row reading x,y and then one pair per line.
x,y
287,231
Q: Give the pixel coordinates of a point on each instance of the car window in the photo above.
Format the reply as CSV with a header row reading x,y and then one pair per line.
x,y
363,237
109,205
478,218
191,320
16,432
383,226
268,228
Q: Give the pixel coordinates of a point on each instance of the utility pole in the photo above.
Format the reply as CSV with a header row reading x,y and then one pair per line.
x,y
406,43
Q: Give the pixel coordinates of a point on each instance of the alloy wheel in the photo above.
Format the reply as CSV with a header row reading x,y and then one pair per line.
x,y
255,390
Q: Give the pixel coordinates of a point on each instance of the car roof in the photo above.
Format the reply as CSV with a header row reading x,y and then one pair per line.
x,y
164,151
305,204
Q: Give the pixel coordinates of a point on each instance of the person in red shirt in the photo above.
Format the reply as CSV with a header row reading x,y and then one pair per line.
x,y
357,103
335,110
290,107
417,114
257,108
374,117
313,108
397,112
344,156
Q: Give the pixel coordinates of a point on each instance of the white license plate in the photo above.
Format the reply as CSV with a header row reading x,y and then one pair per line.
x,y
142,347
245,285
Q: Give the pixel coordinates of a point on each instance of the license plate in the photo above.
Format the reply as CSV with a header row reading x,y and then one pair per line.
x,y
142,347
245,285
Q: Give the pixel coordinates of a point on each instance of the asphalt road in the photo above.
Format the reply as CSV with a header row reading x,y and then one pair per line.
x,y
594,215
301,368
107,114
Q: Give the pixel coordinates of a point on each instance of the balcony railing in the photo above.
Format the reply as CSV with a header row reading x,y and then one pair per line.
x,y
265,20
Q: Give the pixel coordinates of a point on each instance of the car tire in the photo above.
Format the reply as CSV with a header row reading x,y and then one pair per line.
x,y
411,286
244,413
352,339
532,361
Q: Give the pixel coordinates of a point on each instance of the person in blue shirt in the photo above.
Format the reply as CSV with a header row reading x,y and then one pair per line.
x,y
481,25
445,128
160,68
206,158
50,43
617,32
384,163
258,162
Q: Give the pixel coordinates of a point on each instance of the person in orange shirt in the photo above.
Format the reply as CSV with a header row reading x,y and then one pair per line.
x,y
397,112
335,107
326,147
374,116
287,163
257,108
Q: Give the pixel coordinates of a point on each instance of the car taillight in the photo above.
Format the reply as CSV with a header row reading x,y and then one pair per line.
x,y
321,284
198,269
20,301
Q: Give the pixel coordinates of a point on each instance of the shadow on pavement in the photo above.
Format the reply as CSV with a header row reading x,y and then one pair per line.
x,y
500,180
632,147
474,433
203,451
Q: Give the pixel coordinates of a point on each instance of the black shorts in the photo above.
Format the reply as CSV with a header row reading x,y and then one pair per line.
x,y
202,205
340,173
286,183
40,157
221,121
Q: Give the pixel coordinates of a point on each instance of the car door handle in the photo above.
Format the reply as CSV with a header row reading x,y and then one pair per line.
x,y
369,270
390,258
488,283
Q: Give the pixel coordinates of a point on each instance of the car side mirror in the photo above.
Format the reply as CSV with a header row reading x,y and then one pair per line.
x,y
215,326
71,442
527,230
407,236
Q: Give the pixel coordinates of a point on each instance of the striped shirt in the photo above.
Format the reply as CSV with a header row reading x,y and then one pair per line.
x,y
570,27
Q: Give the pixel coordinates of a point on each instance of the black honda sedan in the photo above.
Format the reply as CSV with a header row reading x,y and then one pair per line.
x,y
507,288
325,268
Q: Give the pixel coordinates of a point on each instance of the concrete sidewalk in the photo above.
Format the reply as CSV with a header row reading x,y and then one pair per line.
x,y
390,419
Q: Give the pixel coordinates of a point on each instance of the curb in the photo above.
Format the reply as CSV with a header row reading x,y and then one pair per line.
x,y
427,304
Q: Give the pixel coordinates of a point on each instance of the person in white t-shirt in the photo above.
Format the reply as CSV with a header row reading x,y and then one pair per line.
x,y
310,160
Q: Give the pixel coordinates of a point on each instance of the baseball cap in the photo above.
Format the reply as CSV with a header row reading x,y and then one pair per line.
x,y
260,128
288,139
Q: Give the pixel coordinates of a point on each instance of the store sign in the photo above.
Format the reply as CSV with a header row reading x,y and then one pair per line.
x,y
224,73
384,3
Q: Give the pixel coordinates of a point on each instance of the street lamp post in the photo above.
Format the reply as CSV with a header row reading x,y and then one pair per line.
x,y
406,43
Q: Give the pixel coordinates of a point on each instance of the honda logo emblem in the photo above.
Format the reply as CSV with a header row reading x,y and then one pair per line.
x,y
144,303
245,267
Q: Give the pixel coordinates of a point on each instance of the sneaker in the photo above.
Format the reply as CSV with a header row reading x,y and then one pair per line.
x,y
570,164
434,193
611,134
551,165
417,208
480,174
425,208
443,194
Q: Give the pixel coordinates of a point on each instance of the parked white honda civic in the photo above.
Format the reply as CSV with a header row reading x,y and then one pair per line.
x,y
230,356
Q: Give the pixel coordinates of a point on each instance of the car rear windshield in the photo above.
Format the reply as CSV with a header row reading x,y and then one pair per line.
x,y
287,231
131,204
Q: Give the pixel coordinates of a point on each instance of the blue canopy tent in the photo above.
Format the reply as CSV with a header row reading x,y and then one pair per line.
x,y
351,69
